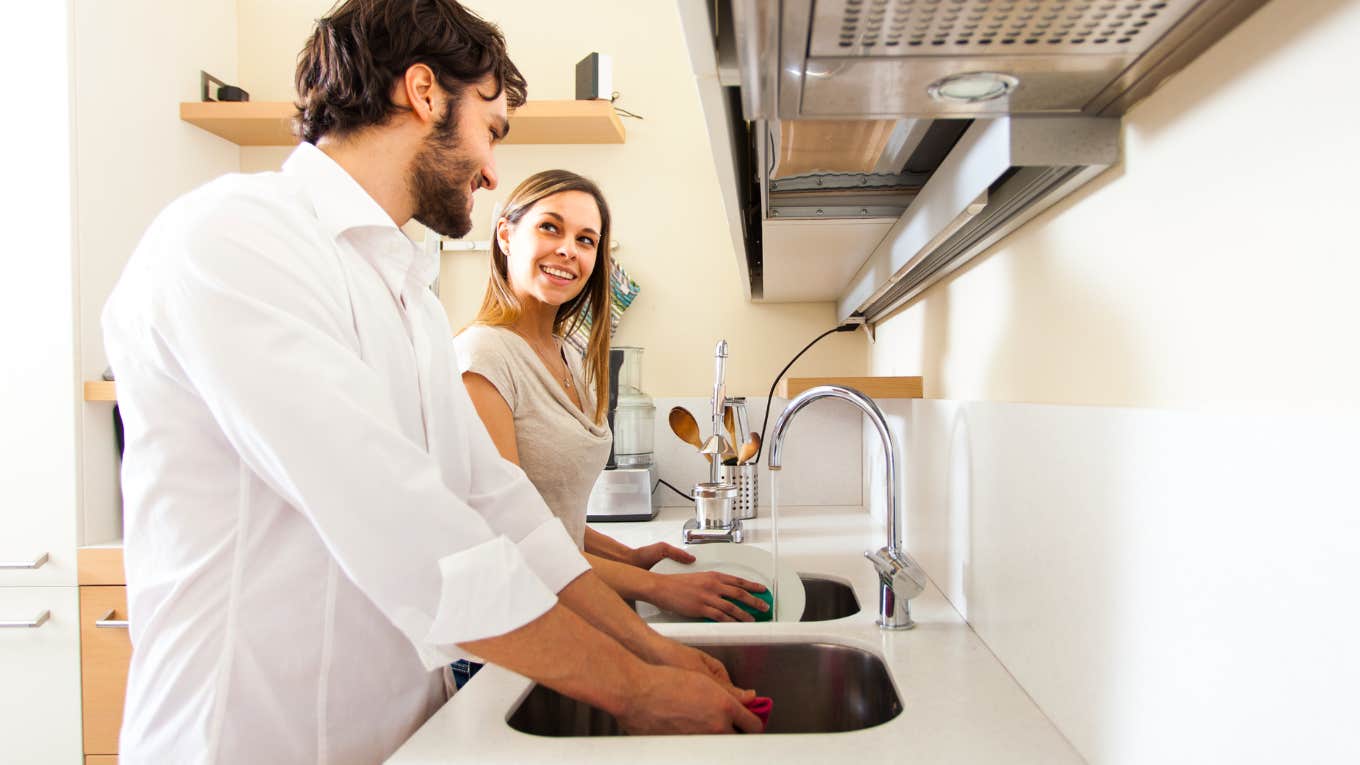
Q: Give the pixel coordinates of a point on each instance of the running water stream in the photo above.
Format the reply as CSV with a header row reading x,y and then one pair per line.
x,y
774,542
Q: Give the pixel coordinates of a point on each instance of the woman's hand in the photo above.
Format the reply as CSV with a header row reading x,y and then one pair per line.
x,y
646,557
705,595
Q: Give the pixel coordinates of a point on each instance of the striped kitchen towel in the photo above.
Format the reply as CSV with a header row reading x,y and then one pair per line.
x,y
622,291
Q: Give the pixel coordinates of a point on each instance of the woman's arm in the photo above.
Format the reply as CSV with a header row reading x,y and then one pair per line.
x,y
699,595
704,594
495,414
607,547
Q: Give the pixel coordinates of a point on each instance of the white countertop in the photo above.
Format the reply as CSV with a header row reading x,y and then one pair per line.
x,y
959,703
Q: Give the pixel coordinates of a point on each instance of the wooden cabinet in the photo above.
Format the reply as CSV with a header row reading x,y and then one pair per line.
x,y
105,650
39,679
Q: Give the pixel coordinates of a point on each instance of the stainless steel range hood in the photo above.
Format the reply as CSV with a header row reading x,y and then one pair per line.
x,y
868,147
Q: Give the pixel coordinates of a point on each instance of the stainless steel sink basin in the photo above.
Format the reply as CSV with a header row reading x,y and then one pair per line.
x,y
827,600
816,688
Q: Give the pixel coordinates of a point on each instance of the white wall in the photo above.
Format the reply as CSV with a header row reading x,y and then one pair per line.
x,y
1168,573
661,185
134,63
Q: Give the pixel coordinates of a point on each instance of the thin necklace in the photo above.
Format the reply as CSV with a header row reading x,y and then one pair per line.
x,y
566,370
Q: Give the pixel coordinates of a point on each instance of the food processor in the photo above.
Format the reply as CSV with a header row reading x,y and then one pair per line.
x,y
623,492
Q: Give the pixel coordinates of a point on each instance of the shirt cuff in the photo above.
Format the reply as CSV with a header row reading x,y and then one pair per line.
x,y
485,591
553,554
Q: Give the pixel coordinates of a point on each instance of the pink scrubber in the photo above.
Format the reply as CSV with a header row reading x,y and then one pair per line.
x,y
760,706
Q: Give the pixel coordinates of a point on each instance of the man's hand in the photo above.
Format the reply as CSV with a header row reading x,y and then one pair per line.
x,y
672,700
705,595
646,557
667,652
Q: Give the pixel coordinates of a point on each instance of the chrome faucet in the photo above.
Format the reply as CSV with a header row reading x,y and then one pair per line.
x,y
899,578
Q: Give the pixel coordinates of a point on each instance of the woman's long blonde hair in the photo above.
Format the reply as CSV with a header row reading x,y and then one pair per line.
x,y
500,307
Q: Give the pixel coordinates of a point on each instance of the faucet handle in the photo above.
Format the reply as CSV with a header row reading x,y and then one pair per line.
x,y
898,571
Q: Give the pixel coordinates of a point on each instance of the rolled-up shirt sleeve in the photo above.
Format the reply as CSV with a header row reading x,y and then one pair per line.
x,y
271,354
498,483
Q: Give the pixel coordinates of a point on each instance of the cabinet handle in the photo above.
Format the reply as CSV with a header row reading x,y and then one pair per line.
x,y
104,622
35,563
36,621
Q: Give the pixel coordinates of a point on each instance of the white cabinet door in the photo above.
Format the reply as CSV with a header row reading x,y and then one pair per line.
x,y
38,313
40,676
37,545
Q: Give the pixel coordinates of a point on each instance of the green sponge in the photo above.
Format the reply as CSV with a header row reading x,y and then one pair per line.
x,y
761,616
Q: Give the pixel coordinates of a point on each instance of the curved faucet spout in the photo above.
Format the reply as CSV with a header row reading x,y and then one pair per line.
x,y
875,415
900,577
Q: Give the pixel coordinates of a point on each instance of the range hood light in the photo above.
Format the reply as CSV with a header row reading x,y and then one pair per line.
x,y
972,87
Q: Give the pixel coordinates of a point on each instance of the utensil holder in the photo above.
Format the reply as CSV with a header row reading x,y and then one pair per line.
x,y
745,478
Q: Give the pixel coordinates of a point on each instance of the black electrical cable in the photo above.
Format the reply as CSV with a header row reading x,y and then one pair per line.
x,y
660,482
769,399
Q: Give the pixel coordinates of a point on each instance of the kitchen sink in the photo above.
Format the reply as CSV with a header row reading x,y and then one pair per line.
x,y
827,599
816,688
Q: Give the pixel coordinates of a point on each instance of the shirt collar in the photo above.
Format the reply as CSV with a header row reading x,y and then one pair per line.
x,y
343,206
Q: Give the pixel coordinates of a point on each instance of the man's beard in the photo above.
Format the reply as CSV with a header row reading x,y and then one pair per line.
x,y
441,179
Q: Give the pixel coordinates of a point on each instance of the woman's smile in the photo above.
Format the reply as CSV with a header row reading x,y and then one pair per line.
x,y
557,275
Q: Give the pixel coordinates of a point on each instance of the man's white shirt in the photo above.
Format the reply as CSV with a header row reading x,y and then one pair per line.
x,y
313,512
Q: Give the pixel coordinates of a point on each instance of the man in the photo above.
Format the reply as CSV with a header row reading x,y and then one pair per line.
x,y
315,520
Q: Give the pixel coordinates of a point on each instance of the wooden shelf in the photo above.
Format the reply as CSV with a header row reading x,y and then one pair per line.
x,y
873,387
269,123
548,122
100,390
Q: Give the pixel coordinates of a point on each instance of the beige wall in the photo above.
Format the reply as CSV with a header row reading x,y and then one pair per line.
x,y
135,61
1216,268
661,185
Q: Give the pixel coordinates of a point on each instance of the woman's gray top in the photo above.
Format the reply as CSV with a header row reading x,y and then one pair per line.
x,y
561,448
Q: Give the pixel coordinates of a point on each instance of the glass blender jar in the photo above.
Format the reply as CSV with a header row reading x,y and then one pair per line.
x,y
634,413
623,492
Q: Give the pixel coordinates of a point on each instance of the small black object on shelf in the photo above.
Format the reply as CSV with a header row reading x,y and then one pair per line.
x,y
225,92
595,78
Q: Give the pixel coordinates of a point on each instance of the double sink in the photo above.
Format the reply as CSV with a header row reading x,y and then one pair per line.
x,y
816,687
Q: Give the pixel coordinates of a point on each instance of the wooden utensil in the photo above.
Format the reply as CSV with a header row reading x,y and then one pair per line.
x,y
685,426
749,449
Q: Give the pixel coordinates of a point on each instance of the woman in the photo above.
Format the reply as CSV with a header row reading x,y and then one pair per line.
x,y
544,404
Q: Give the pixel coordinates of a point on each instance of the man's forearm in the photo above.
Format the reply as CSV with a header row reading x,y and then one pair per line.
x,y
599,605
561,650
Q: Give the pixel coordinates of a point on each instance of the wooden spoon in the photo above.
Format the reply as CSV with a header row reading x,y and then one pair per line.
x,y
685,426
749,449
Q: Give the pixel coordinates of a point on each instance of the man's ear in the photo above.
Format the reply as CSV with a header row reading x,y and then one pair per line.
x,y
419,89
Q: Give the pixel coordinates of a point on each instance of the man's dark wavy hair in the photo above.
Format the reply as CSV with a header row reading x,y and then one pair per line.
x,y
346,71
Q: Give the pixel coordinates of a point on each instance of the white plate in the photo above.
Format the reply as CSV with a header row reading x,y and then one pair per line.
x,y
738,560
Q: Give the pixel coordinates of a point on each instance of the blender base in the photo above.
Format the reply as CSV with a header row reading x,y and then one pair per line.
x,y
623,494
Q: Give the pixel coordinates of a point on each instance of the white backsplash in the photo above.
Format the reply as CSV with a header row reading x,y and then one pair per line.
x,y
1169,586
821,456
